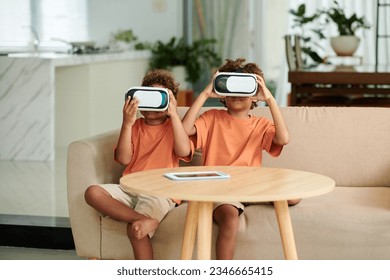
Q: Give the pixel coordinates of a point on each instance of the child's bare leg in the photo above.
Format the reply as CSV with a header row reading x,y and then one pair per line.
x,y
143,227
226,217
292,202
103,202
142,248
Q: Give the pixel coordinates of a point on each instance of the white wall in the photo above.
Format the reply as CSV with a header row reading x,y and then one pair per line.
x,y
150,20
89,97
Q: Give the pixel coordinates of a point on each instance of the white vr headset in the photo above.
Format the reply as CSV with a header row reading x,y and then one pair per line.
x,y
150,98
235,84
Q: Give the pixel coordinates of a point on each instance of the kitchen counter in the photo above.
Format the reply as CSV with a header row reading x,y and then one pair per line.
x,y
64,59
48,100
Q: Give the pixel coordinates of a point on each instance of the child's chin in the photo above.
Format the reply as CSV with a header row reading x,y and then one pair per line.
x,y
153,114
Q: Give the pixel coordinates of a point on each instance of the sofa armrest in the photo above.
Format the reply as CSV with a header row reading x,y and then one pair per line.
x,y
89,161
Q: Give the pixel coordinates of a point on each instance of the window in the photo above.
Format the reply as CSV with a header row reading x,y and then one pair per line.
x,y
64,19
23,21
15,18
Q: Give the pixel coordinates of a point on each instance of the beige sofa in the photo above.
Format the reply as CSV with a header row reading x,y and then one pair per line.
x,y
350,145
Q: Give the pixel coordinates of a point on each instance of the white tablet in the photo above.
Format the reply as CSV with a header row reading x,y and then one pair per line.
x,y
197,175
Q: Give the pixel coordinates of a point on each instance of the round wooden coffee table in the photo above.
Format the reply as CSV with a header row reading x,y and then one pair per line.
x,y
246,184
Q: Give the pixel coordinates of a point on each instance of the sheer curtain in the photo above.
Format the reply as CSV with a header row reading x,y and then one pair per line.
x,y
238,27
223,20
367,45
227,22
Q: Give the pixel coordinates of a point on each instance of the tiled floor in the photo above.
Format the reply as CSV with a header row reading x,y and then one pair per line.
x,y
33,193
34,188
20,253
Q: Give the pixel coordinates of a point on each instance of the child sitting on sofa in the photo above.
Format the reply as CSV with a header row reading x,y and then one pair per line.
x,y
157,140
234,137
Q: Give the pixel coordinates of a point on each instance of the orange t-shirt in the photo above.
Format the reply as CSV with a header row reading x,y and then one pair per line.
x,y
153,147
226,140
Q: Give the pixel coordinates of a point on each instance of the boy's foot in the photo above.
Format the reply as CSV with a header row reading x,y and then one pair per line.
x,y
142,227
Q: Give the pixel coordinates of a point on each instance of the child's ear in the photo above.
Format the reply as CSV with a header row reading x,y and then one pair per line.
x,y
254,104
223,101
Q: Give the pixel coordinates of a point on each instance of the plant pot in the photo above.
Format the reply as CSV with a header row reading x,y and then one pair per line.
x,y
344,45
123,46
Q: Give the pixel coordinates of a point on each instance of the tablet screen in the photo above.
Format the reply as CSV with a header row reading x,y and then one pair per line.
x,y
198,175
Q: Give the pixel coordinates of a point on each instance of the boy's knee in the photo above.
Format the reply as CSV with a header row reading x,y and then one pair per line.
x,y
292,202
227,215
92,193
233,222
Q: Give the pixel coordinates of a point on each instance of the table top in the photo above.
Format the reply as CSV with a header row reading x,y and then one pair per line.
x,y
364,68
246,184
331,74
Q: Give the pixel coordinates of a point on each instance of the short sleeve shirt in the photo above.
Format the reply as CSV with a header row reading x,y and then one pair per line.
x,y
229,141
153,147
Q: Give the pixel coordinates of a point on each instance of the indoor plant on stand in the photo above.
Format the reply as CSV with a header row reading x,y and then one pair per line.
x,y
178,56
188,62
346,43
310,35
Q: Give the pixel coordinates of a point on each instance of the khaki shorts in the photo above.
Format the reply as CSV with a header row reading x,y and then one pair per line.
x,y
238,205
150,206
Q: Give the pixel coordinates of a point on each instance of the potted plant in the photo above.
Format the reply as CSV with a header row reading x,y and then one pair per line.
x,y
347,42
192,58
124,39
310,34
312,31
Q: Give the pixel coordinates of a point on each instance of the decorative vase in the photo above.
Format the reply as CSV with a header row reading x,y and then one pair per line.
x,y
345,45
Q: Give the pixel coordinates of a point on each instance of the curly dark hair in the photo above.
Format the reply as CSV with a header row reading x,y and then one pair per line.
x,y
161,77
239,66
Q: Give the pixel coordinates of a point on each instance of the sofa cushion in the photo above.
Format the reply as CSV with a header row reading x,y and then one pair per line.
x,y
350,145
339,142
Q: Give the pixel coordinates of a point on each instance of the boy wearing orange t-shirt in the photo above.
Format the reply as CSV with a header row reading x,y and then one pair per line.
x,y
157,140
234,137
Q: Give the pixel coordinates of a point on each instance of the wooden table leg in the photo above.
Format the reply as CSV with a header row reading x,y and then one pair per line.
x,y
190,230
205,222
293,96
285,229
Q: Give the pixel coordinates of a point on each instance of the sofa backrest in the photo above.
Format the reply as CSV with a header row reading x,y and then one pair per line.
x,y
349,144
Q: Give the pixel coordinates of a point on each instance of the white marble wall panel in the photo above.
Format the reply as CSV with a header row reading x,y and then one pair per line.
x,y
27,100
26,109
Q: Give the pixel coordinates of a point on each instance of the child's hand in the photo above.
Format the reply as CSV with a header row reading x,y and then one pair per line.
x,y
209,90
130,111
263,93
172,107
